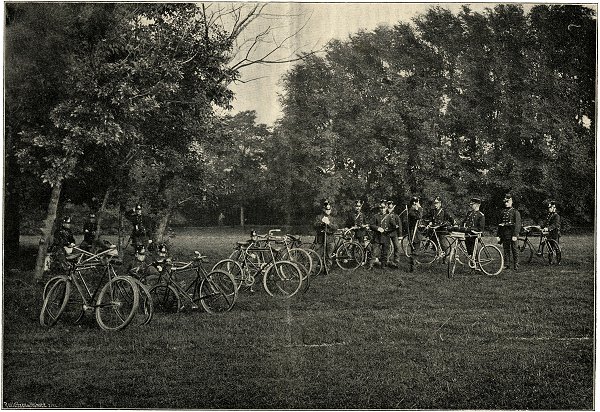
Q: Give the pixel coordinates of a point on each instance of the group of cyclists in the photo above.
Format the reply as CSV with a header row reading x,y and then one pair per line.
x,y
384,229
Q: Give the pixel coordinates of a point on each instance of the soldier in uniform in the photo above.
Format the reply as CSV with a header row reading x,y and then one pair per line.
x,y
473,222
438,216
552,222
357,220
62,247
139,234
89,233
414,217
508,231
64,235
394,231
325,226
380,237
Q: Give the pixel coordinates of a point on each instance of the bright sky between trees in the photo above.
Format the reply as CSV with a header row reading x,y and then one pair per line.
x,y
315,24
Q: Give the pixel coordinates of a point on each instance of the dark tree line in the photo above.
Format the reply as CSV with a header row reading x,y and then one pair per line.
x,y
474,104
116,105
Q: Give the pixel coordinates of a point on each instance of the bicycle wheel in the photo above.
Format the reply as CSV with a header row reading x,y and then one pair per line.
x,y
282,279
217,292
553,252
48,285
233,268
117,303
525,250
146,306
55,302
427,252
349,256
490,260
165,299
304,260
317,262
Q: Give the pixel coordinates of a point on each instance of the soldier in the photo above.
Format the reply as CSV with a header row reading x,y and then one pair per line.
x,y
414,217
357,220
325,227
440,217
139,234
552,222
508,232
394,231
473,222
64,235
380,238
89,233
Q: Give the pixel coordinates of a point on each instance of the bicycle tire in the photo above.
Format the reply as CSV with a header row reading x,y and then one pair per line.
x,y
304,260
317,267
490,260
525,250
553,251
217,292
117,303
165,299
146,306
427,252
55,302
234,268
349,256
51,282
282,279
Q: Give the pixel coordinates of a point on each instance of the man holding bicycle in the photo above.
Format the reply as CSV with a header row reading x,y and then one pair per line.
x,y
325,227
508,232
552,222
357,220
394,231
441,218
473,222
378,225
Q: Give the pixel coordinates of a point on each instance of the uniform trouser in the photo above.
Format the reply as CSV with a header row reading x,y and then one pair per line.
x,y
510,248
396,242
384,247
328,249
470,244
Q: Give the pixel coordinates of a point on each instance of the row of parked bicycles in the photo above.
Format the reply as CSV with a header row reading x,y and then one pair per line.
x,y
282,264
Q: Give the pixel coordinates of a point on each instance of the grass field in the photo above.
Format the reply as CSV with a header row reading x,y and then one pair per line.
x,y
363,339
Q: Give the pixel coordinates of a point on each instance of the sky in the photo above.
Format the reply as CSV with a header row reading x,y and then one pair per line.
x,y
315,24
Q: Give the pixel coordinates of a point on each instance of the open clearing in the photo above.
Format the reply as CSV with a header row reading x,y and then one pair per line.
x,y
362,339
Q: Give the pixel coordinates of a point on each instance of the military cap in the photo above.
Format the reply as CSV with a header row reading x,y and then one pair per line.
x,y
475,200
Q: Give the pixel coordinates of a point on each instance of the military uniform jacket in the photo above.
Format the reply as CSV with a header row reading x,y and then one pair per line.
x,y
357,219
414,215
322,228
440,217
89,232
553,223
63,237
137,221
376,222
393,225
511,223
475,220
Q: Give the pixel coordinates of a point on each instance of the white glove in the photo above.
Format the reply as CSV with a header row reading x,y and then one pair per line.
x,y
380,230
514,238
325,220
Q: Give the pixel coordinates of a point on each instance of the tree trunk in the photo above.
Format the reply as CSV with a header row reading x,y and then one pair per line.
x,y
100,212
242,216
163,222
46,235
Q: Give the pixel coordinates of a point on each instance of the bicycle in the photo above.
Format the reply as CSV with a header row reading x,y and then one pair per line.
x,y
430,246
486,258
281,278
115,304
347,253
215,291
547,248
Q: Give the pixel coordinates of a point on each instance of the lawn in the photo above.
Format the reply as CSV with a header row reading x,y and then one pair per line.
x,y
365,339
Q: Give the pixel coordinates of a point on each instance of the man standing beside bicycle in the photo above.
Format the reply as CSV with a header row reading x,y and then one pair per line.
x,y
325,227
394,231
414,217
358,221
473,222
380,238
441,218
508,232
139,234
552,222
